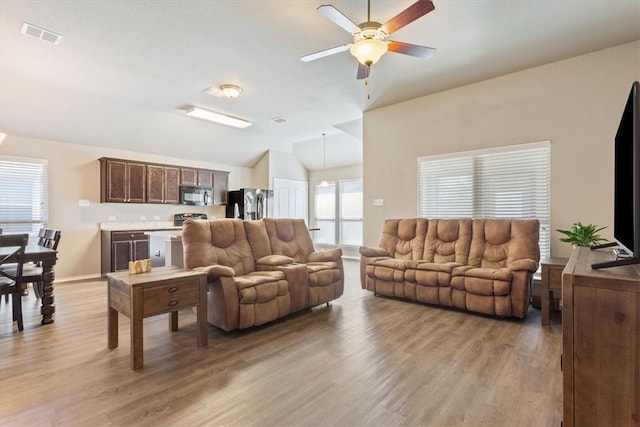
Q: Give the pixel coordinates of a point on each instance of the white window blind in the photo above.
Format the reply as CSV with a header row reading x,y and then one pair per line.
x,y
325,213
351,212
24,204
510,182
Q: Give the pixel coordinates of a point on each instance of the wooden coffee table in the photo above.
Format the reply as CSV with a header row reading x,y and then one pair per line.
x,y
162,290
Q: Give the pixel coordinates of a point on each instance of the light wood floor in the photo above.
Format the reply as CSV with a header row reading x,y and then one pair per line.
x,y
364,360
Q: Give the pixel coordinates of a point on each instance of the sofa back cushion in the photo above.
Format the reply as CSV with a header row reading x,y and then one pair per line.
x,y
404,238
258,238
217,241
289,237
447,240
496,243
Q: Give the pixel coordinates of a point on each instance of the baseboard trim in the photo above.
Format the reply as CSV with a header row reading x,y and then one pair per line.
x,y
78,278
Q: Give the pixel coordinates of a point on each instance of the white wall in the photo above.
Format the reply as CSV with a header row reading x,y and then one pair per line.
x,y
575,103
285,165
74,174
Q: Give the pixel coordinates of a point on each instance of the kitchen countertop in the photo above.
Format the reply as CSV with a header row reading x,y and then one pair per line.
x,y
170,234
138,225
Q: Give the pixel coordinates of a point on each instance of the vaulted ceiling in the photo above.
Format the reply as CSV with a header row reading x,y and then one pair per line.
x,y
124,71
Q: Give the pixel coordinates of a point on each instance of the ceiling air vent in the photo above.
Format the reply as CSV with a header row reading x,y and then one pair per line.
x,y
278,120
41,33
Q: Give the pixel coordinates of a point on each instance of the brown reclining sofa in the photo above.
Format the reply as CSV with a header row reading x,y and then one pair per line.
x,y
260,271
480,265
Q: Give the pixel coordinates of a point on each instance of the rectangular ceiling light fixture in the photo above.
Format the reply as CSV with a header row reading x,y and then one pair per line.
x,y
40,33
219,118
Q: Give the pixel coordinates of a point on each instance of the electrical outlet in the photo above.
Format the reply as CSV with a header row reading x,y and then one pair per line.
x,y
378,202
111,218
156,218
143,218
83,203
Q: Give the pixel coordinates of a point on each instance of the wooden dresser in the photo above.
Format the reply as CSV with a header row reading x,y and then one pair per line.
x,y
601,342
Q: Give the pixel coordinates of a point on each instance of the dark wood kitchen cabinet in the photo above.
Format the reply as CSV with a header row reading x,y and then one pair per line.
x,y
120,247
188,176
205,177
162,184
220,187
128,181
122,181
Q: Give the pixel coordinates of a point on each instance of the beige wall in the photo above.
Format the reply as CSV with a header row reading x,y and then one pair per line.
x,y
74,174
575,103
285,165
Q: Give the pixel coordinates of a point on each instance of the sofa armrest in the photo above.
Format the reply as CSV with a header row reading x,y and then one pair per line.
x,y
274,260
373,252
523,264
332,255
215,271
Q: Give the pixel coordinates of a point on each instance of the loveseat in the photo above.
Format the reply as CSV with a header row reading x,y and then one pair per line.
x,y
480,265
260,271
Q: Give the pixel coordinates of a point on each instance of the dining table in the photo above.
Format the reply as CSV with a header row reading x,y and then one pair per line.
x,y
46,258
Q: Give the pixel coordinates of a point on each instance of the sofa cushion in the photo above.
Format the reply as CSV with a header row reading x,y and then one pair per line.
x,y
223,242
259,289
289,237
496,243
404,238
483,281
430,274
447,240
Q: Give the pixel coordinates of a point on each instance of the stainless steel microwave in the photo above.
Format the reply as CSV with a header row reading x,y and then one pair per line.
x,y
196,195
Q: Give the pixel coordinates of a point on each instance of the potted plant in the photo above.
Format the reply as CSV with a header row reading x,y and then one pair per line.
x,y
582,235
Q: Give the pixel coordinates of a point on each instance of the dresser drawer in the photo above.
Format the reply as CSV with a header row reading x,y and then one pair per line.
x,y
166,303
176,289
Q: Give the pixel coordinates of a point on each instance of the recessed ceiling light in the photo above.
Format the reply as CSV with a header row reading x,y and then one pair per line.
x,y
219,118
40,33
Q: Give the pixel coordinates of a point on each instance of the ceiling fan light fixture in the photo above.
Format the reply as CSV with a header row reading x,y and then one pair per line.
x,y
368,51
231,91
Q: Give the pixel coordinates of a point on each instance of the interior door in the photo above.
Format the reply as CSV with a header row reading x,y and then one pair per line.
x,y
290,199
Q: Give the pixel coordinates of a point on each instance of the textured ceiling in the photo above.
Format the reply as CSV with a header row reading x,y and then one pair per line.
x,y
125,70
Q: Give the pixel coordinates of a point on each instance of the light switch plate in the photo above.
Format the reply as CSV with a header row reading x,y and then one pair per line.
x,y
83,203
378,202
143,218
111,218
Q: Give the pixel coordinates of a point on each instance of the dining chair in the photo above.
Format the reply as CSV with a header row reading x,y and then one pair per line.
x,y
11,280
33,273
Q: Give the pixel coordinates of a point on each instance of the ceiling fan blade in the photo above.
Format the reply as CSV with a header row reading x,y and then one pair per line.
x,y
323,53
411,49
363,71
338,18
407,16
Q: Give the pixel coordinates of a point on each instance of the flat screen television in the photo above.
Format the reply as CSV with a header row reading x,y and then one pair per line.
x,y
626,215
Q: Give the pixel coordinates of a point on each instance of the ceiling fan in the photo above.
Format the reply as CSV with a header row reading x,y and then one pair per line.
x,y
369,42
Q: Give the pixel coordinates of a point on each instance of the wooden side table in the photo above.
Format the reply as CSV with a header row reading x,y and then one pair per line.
x,y
162,290
551,281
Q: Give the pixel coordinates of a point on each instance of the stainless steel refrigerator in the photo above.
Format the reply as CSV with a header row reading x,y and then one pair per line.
x,y
250,203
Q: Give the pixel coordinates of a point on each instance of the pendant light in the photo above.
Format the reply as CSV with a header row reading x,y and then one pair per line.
x,y
324,182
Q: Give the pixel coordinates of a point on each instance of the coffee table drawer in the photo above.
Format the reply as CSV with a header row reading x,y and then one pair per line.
x,y
162,304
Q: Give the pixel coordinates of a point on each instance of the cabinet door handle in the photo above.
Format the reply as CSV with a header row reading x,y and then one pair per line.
x,y
172,303
173,289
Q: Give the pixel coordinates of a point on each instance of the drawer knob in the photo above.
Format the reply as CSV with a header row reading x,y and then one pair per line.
x,y
173,289
172,303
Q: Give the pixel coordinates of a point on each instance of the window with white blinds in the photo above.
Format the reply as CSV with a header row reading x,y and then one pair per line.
x,y
325,213
24,204
338,213
509,182
351,212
